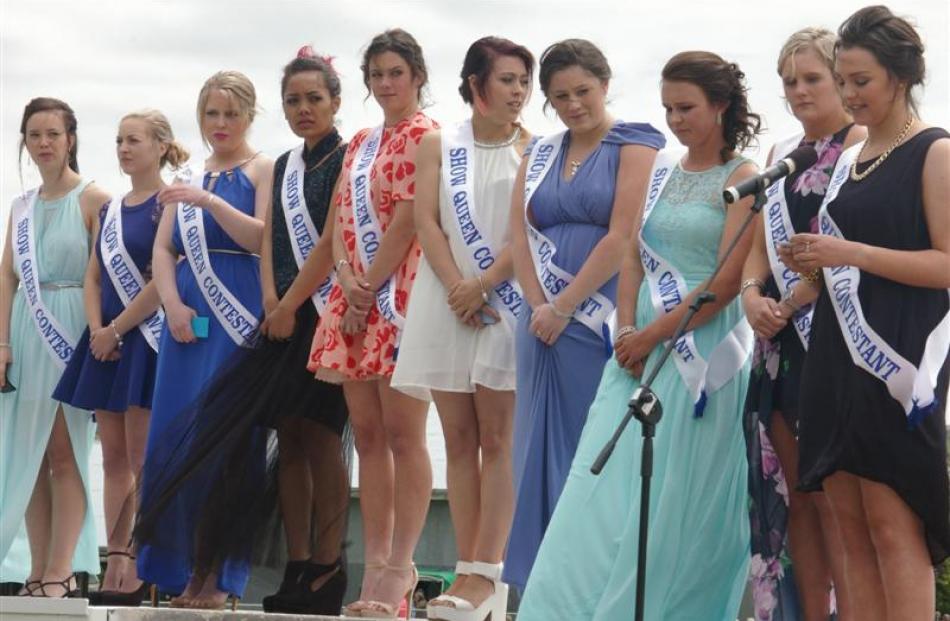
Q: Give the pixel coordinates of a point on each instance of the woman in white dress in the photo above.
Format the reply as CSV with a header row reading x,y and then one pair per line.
x,y
460,353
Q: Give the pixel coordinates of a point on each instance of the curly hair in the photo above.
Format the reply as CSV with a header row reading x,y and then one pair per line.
x,y
723,83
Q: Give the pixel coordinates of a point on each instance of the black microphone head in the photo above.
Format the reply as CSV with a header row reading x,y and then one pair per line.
x,y
802,158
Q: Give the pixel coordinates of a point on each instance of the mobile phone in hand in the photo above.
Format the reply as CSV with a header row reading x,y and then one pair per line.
x,y
199,325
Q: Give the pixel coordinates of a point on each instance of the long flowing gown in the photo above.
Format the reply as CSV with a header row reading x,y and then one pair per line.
x,y
28,413
184,369
698,552
556,384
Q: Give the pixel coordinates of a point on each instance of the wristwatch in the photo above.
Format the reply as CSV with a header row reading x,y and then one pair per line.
x,y
789,299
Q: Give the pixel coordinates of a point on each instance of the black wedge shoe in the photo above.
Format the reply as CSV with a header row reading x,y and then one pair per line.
x,y
326,600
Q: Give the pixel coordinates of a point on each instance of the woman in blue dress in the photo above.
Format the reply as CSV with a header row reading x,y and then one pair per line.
x,y
586,185
45,444
697,558
112,370
199,339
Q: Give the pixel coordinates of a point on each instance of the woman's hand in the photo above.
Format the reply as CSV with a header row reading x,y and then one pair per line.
x,y
465,298
185,193
633,349
103,344
6,360
353,322
179,319
358,294
812,251
546,325
279,324
787,255
764,314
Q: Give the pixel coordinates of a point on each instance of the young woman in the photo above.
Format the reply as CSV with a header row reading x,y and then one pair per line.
x,y
461,352
872,413
45,444
212,300
584,187
786,522
112,370
376,257
699,536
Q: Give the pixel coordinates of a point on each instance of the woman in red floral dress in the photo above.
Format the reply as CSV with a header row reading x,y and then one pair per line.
x,y
356,342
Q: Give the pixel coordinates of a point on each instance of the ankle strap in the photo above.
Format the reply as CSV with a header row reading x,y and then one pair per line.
x,y
120,553
491,571
463,568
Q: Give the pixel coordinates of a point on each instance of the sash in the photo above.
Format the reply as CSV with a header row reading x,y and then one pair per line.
x,y
126,278
594,312
300,228
668,290
369,233
458,147
59,343
237,321
778,230
911,386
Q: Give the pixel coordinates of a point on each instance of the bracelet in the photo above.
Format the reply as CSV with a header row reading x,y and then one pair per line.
x,y
339,265
115,331
789,300
751,282
559,313
811,276
623,331
6,344
481,285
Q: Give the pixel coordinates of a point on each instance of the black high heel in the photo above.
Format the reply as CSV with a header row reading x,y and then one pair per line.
x,y
326,600
111,597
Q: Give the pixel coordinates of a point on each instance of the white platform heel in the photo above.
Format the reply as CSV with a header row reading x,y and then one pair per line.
x,y
495,606
437,605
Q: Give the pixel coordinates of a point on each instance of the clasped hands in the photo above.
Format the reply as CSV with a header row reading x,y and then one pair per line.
x,y
360,298
468,301
806,252
632,349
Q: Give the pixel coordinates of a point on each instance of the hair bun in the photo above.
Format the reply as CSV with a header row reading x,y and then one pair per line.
x,y
306,52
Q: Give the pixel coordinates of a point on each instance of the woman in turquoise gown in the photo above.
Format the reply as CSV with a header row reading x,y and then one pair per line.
x,y
44,444
697,558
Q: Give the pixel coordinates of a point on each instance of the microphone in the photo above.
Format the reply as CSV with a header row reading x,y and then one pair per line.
x,y
799,159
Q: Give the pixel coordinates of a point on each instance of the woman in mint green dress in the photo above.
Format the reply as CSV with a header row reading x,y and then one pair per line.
x,y
697,559
44,444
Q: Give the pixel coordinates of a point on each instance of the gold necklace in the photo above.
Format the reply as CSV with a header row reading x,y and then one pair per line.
x,y
339,143
575,164
856,176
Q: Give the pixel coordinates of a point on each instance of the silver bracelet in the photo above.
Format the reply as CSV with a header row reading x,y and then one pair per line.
x,y
559,313
115,331
623,331
481,285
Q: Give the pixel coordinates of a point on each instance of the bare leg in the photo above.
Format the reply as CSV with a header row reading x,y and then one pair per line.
x,y
294,484
861,571
375,478
902,556
136,437
38,523
834,548
118,485
805,542
68,504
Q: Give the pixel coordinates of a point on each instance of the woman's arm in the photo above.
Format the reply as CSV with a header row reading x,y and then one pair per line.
x,y
628,293
92,285
8,285
268,288
432,238
164,259
522,262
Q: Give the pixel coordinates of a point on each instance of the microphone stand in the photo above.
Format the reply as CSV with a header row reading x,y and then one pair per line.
x,y
645,406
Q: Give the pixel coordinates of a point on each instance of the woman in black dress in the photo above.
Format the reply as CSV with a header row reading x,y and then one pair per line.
x,y
871,436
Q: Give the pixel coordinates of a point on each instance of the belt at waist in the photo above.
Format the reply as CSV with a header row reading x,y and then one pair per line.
x,y
228,251
61,285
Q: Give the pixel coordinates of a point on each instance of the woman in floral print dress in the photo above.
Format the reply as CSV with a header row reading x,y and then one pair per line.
x,y
778,512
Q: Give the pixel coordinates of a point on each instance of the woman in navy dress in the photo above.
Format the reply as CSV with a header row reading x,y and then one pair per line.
x,y
236,185
587,206
112,370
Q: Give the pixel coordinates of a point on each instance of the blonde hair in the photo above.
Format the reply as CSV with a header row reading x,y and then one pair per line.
x,y
235,85
821,40
161,129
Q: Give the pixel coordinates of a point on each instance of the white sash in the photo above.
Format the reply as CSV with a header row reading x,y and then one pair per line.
x,y
238,322
458,148
910,386
668,290
369,233
59,343
595,311
778,230
126,278
300,228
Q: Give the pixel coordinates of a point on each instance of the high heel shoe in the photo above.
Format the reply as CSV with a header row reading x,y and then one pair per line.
x,y
111,597
354,610
462,568
65,583
495,606
327,599
376,609
29,588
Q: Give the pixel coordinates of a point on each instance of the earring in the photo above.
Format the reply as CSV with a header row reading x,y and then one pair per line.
x,y
719,118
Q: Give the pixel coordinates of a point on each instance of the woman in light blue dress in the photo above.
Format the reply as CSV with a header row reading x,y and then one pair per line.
x,y
44,444
697,558
236,186
586,204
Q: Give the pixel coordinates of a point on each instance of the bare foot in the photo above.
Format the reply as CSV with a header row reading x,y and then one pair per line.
x,y
210,598
189,594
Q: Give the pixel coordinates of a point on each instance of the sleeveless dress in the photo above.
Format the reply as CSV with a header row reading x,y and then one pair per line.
x,y
849,421
773,387
165,557
114,386
698,552
439,352
556,384
338,357
27,414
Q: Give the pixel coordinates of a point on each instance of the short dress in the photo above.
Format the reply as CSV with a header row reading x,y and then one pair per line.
x,y
116,385
334,356
848,420
439,352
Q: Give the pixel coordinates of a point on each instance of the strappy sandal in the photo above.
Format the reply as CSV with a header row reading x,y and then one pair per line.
x,y
29,588
494,607
354,610
377,609
67,593
462,568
